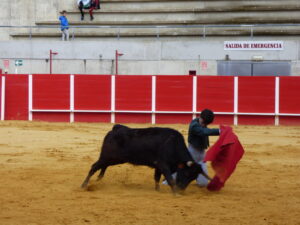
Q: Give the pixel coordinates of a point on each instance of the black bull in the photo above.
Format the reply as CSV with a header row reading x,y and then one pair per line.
x,y
163,149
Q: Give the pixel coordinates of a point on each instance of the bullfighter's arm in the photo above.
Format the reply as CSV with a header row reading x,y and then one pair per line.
x,y
204,131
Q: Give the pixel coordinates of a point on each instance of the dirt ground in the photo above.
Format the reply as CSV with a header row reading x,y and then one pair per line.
x,y
42,166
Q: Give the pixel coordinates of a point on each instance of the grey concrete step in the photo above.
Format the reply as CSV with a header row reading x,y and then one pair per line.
x,y
130,17
131,5
136,1
185,18
162,32
125,1
187,9
200,6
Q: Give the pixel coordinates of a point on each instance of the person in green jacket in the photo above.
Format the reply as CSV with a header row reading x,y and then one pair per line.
x,y
198,140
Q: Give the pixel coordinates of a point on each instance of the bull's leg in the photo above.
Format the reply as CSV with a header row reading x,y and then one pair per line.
x,y
100,164
157,175
168,175
101,174
96,166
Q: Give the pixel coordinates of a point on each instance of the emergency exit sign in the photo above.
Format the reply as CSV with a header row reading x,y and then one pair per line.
x,y
18,62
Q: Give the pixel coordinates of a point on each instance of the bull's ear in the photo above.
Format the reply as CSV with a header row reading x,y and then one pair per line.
x,y
189,163
180,165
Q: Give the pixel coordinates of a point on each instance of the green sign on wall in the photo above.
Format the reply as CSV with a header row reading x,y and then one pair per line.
x,y
18,62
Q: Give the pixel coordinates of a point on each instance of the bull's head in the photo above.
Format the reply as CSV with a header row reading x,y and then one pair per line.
x,y
188,172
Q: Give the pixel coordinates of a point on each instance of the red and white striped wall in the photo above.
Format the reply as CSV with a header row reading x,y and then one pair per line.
x,y
150,99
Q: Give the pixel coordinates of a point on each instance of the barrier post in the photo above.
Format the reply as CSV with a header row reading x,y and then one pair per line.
x,y
113,98
153,104
194,96
72,98
277,83
30,97
236,100
3,98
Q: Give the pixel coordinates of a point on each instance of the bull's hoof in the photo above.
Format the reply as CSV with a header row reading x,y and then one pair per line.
x,y
157,188
178,194
84,185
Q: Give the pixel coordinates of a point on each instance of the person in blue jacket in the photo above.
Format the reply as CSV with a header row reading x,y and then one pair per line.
x,y
64,25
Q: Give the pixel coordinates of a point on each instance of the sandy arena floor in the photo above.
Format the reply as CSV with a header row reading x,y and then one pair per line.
x,y
42,166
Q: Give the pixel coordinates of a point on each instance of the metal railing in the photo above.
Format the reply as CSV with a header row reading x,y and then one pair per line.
x,y
205,29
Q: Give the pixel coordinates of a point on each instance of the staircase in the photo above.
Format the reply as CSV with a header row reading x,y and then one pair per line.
x,y
171,18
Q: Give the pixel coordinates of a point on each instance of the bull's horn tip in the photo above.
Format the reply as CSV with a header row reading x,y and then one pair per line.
x,y
189,163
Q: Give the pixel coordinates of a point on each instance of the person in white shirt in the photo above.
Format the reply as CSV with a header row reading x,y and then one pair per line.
x,y
83,4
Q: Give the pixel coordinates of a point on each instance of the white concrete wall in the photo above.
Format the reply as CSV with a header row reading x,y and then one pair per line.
x,y
141,56
25,13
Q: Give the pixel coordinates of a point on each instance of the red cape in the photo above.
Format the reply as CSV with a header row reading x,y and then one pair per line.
x,y
224,156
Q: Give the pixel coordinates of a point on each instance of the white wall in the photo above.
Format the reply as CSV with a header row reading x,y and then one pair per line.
x,y
141,56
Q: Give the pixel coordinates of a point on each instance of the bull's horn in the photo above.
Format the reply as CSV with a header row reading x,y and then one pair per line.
x,y
189,163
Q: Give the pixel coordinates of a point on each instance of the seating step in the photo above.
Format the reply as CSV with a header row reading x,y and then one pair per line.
x,y
190,6
163,32
185,18
264,8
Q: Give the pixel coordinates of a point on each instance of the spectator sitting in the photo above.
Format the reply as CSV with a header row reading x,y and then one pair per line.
x,y
94,5
64,25
88,4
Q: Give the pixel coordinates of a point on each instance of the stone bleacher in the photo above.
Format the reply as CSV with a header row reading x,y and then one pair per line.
x,y
126,13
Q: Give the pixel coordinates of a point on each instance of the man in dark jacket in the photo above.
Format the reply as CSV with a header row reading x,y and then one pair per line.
x,y
199,142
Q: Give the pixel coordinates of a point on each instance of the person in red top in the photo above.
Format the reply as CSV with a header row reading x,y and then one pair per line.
x,y
91,5
94,5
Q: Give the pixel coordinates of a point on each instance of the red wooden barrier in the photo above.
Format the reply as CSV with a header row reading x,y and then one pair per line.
x,y
1,77
216,93
289,98
174,93
92,93
16,97
289,94
133,93
173,118
51,93
156,99
256,96
133,118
